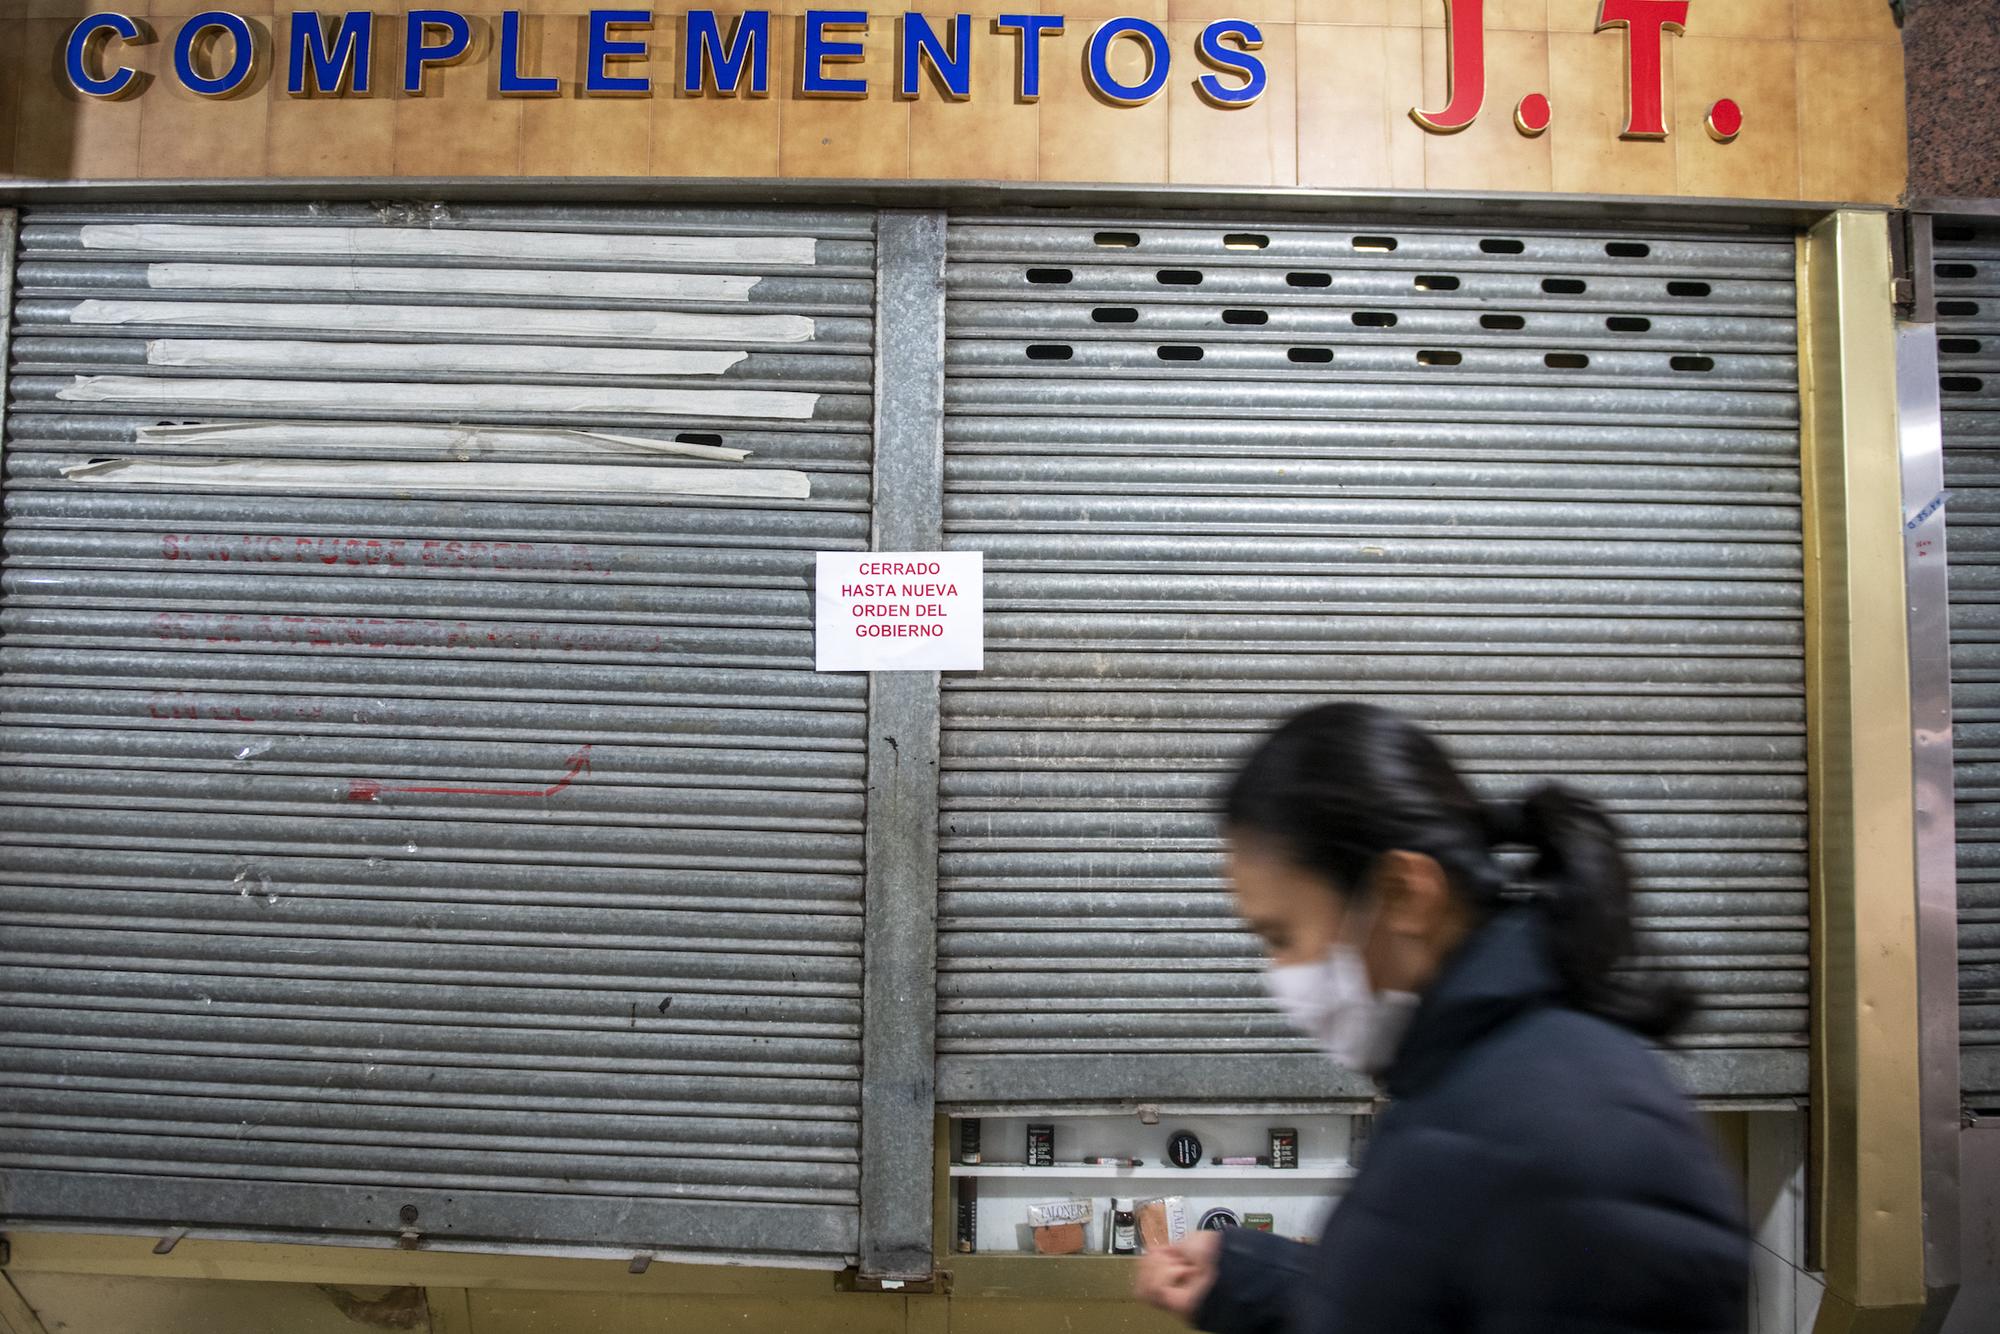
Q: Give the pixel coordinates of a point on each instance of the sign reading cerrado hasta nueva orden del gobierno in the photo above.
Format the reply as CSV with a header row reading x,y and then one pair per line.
x,y
218,53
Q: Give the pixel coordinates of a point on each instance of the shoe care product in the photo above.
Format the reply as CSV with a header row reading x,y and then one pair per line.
x,y
968,1216
1162,1222
1124,1228
1058,1226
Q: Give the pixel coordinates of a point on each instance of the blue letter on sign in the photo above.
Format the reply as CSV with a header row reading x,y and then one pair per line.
x,y
813,78
240,60
513,83
708,55
76,58
1129,94
1032,28
349,57
1212,52
921,43
417,57
598,81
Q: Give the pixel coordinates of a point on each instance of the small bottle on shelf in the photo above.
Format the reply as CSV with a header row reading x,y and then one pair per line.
x,y
1124,1228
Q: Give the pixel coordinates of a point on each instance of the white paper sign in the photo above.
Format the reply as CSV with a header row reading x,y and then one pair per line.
x,y
900,611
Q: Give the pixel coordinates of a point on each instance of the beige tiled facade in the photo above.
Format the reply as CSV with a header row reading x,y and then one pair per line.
x,y
1490,155
1755,74
1820,83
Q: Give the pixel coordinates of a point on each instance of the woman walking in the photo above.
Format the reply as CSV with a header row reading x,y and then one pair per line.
x,y
1537,1171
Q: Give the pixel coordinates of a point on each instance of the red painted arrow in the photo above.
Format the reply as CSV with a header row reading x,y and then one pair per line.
x,y
367,789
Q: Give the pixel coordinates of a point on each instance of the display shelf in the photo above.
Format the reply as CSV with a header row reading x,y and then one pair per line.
x,y
1005,1187
1185,1175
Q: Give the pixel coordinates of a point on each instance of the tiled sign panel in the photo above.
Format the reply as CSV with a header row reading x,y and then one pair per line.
x,y
1816,89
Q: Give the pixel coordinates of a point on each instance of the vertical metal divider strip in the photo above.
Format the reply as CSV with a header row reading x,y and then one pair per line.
x,y
899,1024
1866,1174
1956,251
1920,425
10,244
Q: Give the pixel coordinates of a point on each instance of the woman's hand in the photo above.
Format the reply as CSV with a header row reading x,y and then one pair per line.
x,y
1177,1278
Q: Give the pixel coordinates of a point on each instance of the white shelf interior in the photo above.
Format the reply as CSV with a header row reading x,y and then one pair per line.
x,y
1298,1199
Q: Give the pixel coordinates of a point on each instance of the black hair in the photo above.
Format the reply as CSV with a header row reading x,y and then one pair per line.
x,y
1339,785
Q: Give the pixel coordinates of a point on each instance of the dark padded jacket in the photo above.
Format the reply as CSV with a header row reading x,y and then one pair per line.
x,y
1537,1172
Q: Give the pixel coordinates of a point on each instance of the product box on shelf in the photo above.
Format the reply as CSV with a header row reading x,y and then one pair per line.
x,y
1059,1226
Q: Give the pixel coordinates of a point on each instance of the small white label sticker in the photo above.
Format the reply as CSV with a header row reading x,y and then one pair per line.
x,y
900,611
1937,503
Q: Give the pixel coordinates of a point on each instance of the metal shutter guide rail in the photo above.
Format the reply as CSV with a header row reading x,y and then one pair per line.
x,y
1966,269
898,1090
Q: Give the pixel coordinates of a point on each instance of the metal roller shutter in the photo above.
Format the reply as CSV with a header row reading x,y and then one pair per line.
x,y
421,812
1968,325
1540,487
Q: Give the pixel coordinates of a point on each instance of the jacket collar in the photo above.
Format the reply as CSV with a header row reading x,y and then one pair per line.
x,y
1503,969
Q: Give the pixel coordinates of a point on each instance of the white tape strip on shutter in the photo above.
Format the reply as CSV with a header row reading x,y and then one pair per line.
x,y
380,852
1968,326
429,245
344,477
481,359
355,278
1538,487
396,398
458,442
491,322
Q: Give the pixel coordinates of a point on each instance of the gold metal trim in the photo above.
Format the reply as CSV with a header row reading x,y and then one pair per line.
x,y
1867,1168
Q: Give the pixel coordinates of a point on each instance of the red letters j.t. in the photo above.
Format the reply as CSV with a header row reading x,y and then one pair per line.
x,y
1645,23
1465,68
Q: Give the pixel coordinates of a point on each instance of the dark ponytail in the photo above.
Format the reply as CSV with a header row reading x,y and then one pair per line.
x,y
1582,880
1339,785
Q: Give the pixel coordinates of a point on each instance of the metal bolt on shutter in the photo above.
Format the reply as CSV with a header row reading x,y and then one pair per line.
x,y
420,812
1537,486
1968,327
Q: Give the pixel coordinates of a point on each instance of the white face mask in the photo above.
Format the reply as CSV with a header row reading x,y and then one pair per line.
x,y
1331,1002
